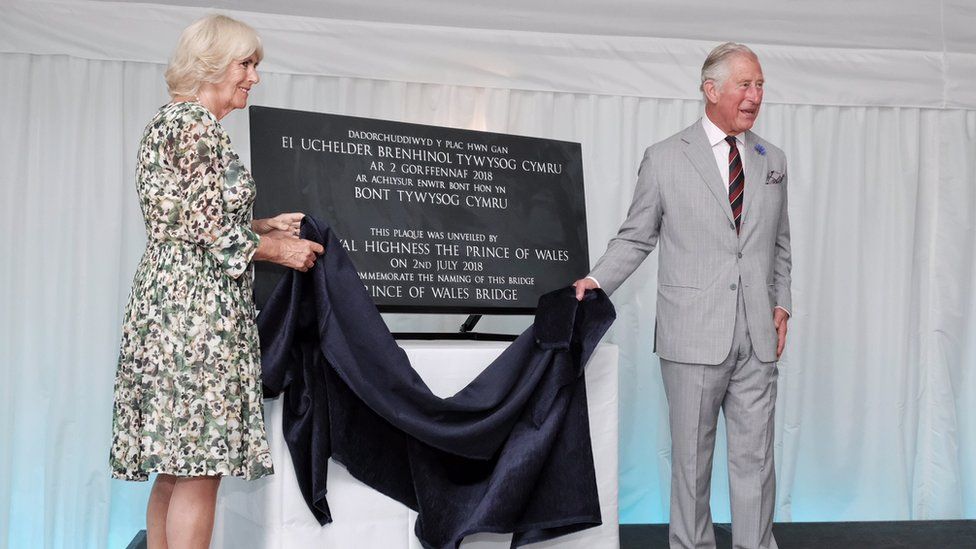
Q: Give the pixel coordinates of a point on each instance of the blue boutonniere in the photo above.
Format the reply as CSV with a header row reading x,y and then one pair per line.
x,y
760,149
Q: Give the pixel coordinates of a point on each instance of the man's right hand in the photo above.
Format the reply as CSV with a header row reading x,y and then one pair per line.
x,y
584,284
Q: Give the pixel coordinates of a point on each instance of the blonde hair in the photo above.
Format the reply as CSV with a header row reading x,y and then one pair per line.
x,y
206,50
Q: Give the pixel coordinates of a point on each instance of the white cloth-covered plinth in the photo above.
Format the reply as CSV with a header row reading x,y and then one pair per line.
x,y
271,513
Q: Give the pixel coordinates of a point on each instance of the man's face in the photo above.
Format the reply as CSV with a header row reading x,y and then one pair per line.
x,y
735,106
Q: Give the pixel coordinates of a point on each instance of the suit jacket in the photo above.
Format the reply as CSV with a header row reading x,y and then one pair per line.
x,y
681,205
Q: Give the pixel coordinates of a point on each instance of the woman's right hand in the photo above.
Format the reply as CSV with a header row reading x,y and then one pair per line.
x,y
294,253
299,254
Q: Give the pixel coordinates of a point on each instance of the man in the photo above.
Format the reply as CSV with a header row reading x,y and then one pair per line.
x,y
713,197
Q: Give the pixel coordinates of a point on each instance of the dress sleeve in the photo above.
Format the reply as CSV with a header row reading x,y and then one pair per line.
x,y
198,155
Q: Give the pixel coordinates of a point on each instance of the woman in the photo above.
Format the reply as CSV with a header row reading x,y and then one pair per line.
x,y
188,402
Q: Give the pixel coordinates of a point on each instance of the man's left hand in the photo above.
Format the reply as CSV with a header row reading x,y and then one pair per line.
x,y
780,318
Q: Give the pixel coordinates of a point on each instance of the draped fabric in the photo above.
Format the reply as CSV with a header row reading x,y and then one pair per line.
x,y
876,416
509,452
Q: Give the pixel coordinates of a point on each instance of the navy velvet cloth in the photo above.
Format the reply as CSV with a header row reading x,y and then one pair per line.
x,y
508,453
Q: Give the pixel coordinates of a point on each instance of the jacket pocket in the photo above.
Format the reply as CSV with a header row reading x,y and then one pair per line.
x,y
686,286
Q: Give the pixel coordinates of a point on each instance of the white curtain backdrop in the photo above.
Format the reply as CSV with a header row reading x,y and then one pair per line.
x,y
876,418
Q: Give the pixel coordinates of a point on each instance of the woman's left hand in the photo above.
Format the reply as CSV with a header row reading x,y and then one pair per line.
x,y
286,224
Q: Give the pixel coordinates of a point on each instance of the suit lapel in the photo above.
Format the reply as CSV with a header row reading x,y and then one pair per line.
x,y
699,152
755,165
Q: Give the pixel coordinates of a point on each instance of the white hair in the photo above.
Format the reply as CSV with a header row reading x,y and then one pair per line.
x,y
206,49
716,66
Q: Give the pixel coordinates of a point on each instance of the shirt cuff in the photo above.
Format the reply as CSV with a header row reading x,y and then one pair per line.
x,y
788,313
594,280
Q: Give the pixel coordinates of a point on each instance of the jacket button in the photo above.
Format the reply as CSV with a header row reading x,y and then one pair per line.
x,y
732,286
740,255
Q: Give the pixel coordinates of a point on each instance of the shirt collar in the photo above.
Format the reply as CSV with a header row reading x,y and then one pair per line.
x,y
716,136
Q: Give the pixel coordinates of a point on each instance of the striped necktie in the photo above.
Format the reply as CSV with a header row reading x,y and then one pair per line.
x,y
737,182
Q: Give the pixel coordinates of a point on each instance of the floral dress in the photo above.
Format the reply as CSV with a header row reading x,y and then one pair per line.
x,y
188,387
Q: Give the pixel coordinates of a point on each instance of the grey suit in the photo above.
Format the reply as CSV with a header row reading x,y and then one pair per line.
x,y
682,203
716,293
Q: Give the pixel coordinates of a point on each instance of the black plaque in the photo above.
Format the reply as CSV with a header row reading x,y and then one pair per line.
x,y
435,219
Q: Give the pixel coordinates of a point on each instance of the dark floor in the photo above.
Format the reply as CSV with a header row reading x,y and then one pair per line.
x,y
924,534
934,534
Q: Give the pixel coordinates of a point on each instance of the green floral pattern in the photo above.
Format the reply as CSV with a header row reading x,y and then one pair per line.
x,y
188,387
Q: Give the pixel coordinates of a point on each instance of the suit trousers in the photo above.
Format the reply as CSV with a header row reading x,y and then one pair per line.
x,y
745,389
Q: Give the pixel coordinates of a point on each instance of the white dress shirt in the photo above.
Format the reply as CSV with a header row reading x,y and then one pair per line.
x,y
720,148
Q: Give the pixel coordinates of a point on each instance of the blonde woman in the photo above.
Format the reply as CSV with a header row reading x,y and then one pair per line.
x,y
188,402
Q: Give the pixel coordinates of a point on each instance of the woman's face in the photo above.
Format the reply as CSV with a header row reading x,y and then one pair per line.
x,y
231,92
